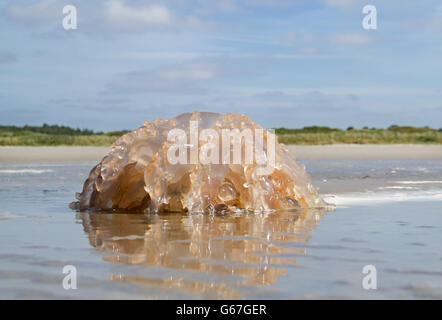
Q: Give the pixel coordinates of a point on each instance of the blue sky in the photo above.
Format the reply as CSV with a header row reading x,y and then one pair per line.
x,y
283,63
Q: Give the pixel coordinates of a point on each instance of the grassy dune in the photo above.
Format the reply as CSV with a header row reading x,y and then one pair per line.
x,y
362,136
57,140
55,136
60,135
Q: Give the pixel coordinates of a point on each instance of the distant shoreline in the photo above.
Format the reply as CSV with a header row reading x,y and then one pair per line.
x,y
303,152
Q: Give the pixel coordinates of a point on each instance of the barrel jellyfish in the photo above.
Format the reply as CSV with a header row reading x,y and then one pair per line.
x,y
198,162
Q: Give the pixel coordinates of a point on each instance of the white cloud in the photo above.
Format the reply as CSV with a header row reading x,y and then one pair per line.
x,y
351,39
122,15
152,15
193,55
36,12
345,4
211,7
196,77
339,3
109,15
337,91
177,74
187,78
206,7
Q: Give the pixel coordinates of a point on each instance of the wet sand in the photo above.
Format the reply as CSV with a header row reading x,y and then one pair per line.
x,y
387,215
336,151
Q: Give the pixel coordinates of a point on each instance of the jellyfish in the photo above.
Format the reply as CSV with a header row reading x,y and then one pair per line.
x,y
198,162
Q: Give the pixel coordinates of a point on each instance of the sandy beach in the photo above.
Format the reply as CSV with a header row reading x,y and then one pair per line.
x,y
368,151
336,151
387,215
51,154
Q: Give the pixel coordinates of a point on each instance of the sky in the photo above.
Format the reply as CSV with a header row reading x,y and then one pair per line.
x,y
286,63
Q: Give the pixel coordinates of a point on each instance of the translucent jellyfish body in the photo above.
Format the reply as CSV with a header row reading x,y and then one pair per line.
x,y
198,161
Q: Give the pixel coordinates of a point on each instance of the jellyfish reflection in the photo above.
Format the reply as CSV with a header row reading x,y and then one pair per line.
x,y
231,251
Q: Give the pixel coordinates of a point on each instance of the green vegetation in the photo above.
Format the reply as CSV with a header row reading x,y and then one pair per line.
x,y
325,135
53,135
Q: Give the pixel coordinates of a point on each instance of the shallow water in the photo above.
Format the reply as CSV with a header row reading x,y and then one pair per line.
x,y
388,215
